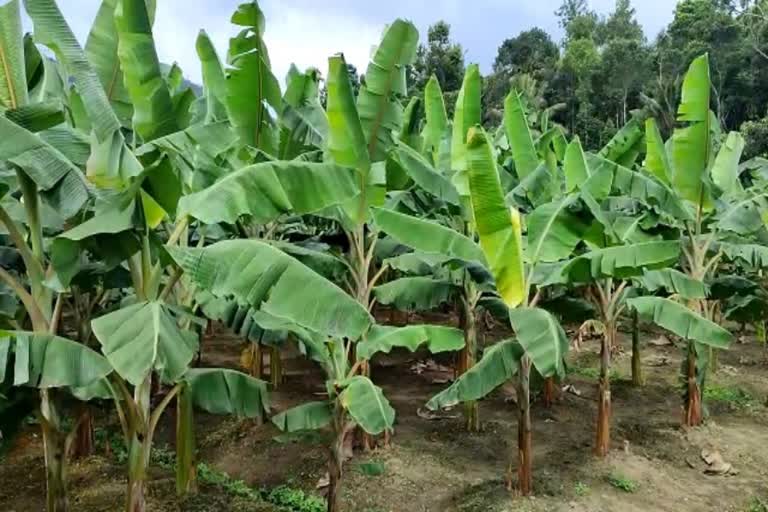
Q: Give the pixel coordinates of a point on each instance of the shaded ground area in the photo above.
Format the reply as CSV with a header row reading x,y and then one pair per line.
x,y
433,466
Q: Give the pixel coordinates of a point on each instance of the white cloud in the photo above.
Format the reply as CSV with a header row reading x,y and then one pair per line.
x,y
307,37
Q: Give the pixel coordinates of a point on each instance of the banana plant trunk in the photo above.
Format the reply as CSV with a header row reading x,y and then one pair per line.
x,y
137,475
693,410
55,470
603,432
524,430
82,445
467,359
550,392
637,365
186,468
275,367
335,459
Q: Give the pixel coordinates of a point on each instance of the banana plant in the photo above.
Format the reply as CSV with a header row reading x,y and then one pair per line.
x,y
329,325
723,217
540,340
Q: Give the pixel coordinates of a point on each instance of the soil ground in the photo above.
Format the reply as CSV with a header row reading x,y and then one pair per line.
x,y
433,466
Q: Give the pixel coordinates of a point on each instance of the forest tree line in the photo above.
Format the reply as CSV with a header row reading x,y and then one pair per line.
x,y
605,68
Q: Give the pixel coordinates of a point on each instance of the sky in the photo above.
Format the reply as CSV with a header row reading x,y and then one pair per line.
x,y
307,32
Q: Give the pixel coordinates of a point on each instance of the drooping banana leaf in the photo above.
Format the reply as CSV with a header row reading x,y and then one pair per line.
x,y
269,189
553,231
497,225
367,405
48,361
427,236
623,141
436,338
752,254
415,293
263,277
498,364
304,120
61,182
622,261
681,321
542,337
224,391
424,175
674,282
745,216
519,136
725,170
308,416
142,337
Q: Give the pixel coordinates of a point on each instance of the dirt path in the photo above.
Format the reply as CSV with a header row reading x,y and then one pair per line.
x,y
433,466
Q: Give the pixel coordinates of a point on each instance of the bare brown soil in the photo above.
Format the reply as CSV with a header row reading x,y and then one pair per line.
x,y
434,466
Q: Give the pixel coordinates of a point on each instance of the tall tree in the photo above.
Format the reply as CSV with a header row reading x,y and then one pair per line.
x,y
441,57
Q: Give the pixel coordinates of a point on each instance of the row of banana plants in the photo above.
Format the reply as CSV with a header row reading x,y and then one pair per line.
x,y
135,211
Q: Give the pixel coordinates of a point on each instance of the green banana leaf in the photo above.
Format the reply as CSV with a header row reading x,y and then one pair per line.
x,y
691,145
498,364
725,170
223,391
426,235
60,180
553,231
542,338
437,119
142,337
383,338
153,114
519,136
752,254
424,175
267,190
309,416
101,51
575,166
367,405
674,282
415,293
466,115
681,321
497,225
656,159
263,277
13,76
214,80
48,361
622,261
52,31
378,100
623,141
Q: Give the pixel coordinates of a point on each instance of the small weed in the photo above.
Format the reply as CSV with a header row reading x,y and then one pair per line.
x,y
733,395
622,482
757,505
581,489
295,500
590,372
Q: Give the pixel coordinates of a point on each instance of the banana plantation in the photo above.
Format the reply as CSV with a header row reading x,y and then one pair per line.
x,y
287,294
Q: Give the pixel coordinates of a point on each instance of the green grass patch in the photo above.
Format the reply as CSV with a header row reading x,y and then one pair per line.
x,y
591,372
757,505
580,489
734,395
621,482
